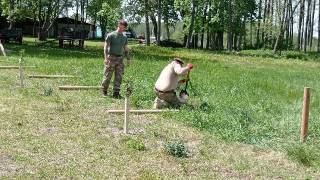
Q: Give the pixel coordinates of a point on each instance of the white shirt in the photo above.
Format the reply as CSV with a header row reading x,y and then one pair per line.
x,y
169,77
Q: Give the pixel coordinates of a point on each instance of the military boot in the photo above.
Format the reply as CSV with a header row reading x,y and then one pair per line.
x,y
117,95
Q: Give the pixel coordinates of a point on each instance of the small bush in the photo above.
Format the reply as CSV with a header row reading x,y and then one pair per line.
x,y
177,148
135,144
295,55
47,91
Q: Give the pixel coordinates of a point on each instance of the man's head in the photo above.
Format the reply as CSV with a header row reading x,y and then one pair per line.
x,y
122,25
178,60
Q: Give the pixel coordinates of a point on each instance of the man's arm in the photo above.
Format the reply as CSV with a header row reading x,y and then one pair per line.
x,y
180,70
126,52
105,50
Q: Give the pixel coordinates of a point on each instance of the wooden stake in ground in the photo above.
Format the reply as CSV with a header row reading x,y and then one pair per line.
x,y
51,76
21,73
70,88
126,108
15,67
142,111
2,49
305,114
126,114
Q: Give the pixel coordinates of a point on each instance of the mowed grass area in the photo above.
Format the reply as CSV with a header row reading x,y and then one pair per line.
x,y
242,120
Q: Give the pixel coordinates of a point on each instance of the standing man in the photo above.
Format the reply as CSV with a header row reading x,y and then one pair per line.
x,y
167,83
115,48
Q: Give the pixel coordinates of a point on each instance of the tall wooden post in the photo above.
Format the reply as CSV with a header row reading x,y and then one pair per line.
x,y
305,114
2,49
126,114
21,73
126,108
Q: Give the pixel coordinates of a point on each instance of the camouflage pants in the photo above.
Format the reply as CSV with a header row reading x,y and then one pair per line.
x,y
114,64
169,97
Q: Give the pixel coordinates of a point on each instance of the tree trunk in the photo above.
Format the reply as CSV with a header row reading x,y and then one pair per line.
x,y
272,41
307,27
155,26
278,43
302,27
166,22
318,48
103,29
259,24
203,24
263,38
312,23
243,35
146,3
159,21
230,36
208,27
193,14
251,30
291,26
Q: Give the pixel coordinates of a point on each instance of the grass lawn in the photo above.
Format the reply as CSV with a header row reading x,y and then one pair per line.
x,y
242,120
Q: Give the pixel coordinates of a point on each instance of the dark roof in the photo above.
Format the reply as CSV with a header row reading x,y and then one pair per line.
x,y
66,20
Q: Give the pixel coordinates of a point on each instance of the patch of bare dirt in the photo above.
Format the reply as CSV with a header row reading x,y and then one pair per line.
x,y
7,166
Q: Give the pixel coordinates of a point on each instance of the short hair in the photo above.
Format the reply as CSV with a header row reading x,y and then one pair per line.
x,y
123,22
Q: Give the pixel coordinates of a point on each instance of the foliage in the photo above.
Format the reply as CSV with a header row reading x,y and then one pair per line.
x,y
135,144
47,91
303,155
177,148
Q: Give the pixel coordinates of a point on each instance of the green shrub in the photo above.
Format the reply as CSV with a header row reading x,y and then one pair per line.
x,y
295,55
177,148
47,91
135,144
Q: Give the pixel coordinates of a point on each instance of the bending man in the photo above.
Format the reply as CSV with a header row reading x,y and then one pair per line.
x,y
168,82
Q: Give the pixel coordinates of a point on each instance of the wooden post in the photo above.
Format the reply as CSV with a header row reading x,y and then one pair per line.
x,y
70,88
142,111
21,73
51,76
15,67
305,114
126,114
2,49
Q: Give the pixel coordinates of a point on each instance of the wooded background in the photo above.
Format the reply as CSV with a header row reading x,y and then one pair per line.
x,y
206,24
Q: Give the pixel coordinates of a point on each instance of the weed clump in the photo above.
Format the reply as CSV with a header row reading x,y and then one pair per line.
x,y
301,155
177,148
135,144
147,175
47,91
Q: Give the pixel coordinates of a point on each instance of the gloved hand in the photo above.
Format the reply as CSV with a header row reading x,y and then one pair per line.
x,y
190,66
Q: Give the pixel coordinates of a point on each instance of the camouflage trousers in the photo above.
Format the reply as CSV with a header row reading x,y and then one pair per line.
x,y
113,64
166,99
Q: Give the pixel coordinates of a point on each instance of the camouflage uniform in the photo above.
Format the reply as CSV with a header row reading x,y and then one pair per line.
x,y
114,61
166,99
114,64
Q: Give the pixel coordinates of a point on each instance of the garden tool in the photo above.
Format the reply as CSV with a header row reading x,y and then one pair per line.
x,y
184,93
